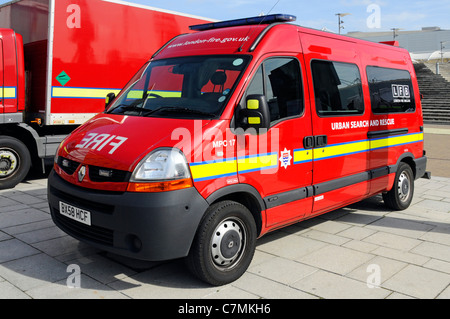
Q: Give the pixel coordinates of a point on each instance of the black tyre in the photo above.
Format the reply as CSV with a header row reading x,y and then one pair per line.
x,y
401,194
224,244
15,162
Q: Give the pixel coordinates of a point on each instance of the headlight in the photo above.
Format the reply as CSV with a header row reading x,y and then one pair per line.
x,y
162,164
55,159
161,170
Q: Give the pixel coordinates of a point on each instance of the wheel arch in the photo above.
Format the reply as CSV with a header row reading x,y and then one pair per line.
x,y
409,159
26,135
244,194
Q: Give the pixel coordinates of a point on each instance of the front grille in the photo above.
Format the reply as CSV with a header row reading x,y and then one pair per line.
x,y
101,174
96,173
92,233
82,203
67,165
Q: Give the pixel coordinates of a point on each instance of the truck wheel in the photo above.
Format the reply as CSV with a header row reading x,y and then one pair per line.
x,y
15,162
401,194
224,244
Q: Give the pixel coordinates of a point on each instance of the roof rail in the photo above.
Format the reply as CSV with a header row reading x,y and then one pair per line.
x,y
165,45
261,36
269,19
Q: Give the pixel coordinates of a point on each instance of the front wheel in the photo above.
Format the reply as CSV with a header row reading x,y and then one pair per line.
x,y
224,244
15,162
401,194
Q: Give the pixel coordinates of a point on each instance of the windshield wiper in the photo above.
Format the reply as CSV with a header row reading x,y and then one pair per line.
x,y
146,112
123,108
180,110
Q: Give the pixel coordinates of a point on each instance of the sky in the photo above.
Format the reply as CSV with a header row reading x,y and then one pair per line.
x,y
365,15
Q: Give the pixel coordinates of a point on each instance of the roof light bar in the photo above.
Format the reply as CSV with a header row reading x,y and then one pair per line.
x,y
273,18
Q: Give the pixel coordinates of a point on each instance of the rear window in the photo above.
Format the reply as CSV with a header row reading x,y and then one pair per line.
x,y
391,90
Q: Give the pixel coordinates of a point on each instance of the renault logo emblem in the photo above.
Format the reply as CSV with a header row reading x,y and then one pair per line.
x,y
81,173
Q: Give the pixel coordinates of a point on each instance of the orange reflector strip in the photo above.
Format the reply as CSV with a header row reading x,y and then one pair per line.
x,y
160,186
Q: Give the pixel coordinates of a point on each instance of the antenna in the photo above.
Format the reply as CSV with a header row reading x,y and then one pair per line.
x,y
258,20
273,7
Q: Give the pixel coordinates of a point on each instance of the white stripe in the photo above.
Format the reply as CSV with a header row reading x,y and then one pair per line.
x,y
51,27
159,10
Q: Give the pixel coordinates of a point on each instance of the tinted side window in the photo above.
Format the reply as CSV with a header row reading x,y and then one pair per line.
x,y
391,90
279,79
337,88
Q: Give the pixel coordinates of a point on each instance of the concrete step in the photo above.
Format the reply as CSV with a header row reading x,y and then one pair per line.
x,y
444,69
436,111
435,90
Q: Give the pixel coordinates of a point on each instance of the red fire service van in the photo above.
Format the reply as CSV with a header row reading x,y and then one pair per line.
x,y
236,130
58,60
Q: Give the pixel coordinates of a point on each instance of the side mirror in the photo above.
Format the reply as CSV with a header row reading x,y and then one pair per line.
x,y
256,113
109,98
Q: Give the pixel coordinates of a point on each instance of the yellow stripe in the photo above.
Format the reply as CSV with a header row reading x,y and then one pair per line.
x,y
259,162
302,156
363,146
167,93
341,149
9,93
228,167
93,93
245,164
81,92
136,94
397,140
214,169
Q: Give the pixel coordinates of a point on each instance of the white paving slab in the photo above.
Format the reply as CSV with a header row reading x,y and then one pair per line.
x,y
331,256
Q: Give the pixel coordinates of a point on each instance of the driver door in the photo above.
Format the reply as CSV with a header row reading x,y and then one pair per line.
x,y
276,162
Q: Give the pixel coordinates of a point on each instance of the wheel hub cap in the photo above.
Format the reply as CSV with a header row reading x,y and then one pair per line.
x,y
230,244
403,187
227,242
7,163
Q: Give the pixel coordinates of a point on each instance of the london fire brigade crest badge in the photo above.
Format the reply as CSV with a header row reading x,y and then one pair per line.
x,y
285,158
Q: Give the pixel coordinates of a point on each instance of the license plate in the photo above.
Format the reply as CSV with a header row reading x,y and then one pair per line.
x,y
75,213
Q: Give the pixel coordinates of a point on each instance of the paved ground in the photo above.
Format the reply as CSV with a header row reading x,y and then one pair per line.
x,y
361,251
437,145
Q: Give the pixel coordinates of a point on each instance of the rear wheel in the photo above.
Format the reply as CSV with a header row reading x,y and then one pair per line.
x,y
401,194
15,162
224,244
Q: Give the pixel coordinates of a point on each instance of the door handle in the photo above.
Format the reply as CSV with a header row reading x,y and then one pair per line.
x,y
308,142
314,141
320,141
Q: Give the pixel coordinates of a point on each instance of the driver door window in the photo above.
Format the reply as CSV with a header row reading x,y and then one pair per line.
x,y
279,79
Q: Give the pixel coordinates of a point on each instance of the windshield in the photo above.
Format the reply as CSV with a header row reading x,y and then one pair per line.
x,y
187,87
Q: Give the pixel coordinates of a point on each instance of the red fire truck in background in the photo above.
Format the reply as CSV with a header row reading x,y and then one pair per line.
x,y
59,60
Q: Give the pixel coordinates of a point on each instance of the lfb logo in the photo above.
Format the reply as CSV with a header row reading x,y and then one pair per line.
x,y
400,91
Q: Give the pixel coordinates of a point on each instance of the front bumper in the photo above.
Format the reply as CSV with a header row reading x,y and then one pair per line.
x,y
147,226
